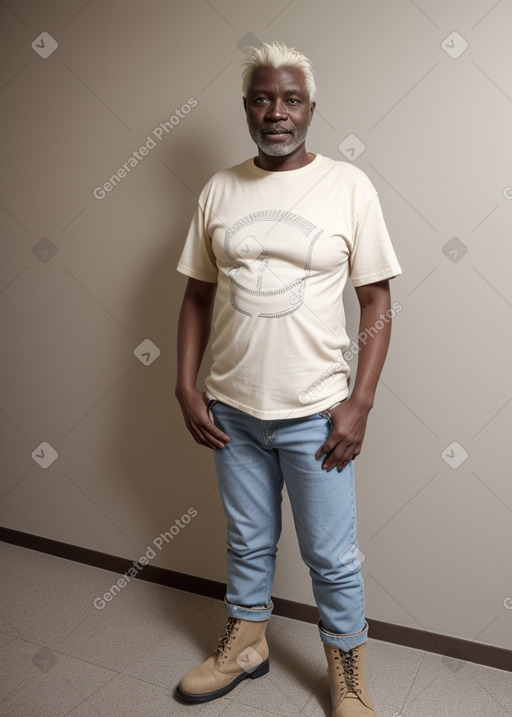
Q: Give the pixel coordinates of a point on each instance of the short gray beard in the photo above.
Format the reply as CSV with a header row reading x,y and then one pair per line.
x,y
278,150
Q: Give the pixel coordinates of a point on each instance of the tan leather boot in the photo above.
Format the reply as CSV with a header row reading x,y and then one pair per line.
x,y
241,653
349,695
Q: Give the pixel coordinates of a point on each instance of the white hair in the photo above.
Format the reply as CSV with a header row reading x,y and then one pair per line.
x,y
277,55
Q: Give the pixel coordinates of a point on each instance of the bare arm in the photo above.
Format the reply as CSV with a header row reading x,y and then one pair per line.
x,y
350,417
193,334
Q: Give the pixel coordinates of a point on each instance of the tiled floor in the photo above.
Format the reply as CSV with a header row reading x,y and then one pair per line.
x,y
60,655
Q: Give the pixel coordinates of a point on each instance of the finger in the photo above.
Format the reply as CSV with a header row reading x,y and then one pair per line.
x,y
214,442
325,448
211,443
348,458
339,465
205,440
209,435
212,431
340,456
342,467
212,428
349,455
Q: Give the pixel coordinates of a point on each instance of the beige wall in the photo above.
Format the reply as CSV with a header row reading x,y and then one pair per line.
x,y
83,281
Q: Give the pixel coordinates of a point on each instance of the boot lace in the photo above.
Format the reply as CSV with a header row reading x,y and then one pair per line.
x,y
230,626
350,671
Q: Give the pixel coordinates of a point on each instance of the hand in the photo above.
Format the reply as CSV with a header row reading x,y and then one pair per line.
x,y
346,437
194,406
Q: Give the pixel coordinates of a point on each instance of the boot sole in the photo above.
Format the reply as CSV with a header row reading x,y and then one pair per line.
x,y
207,696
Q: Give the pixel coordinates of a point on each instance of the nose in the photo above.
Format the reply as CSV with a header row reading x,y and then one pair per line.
x,y
276,111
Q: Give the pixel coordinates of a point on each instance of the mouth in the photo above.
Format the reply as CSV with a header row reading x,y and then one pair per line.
x,y
276,133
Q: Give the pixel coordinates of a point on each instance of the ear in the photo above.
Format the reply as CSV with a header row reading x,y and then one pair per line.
x,y
312,111
245,109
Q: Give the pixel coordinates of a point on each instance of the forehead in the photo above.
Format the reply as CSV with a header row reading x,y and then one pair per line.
x,y
282,79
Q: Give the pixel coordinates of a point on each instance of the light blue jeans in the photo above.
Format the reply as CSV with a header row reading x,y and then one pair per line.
x,y
251,469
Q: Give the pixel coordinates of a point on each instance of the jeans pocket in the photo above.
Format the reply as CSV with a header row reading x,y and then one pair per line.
x,y
327,415
209,406
327,412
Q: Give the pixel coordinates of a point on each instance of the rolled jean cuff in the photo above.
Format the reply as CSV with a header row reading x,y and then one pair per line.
x,y
253,614
344,642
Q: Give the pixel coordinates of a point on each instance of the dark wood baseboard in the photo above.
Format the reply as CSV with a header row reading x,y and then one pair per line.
x,y
455,650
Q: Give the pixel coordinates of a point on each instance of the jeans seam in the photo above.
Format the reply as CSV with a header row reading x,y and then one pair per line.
x,y
271,558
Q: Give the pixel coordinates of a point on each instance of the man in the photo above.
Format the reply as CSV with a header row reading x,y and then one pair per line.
x,y
273,241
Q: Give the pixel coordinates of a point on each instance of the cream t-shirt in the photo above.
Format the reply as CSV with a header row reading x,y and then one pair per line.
x,y
281,245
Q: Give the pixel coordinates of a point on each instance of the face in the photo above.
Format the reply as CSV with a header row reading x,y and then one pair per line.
x,y
278,110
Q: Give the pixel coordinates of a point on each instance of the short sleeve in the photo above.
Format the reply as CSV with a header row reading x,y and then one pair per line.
x,y
197,259
372,257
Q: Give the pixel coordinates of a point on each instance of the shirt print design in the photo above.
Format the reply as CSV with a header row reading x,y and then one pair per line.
x,y
271,251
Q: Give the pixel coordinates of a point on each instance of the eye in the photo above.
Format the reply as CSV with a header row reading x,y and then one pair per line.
x,y
293,101
259,100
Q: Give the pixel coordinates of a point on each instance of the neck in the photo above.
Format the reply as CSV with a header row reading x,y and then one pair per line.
x,y
294,160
